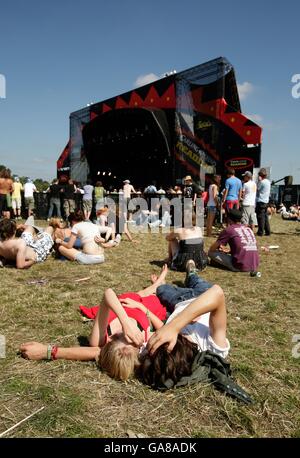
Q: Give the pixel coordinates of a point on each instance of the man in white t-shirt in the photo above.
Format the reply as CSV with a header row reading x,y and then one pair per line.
x,y
128,189
248,204
29,189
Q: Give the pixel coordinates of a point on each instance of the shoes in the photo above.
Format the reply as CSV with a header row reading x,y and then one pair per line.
x,y
190,268
117,239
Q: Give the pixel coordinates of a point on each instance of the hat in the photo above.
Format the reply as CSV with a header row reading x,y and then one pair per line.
x,y
126,181
235,215
188,178
247,174
17,179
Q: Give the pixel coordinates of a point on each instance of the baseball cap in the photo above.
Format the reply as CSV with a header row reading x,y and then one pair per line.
x,y
247,174
126,181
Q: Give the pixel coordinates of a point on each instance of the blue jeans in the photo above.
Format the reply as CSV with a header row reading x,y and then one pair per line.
x,y
170,295
54,202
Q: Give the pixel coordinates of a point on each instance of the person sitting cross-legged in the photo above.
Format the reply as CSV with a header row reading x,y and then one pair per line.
x,y
242,256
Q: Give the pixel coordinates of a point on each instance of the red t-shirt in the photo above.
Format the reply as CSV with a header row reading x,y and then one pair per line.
x,y
150,302
242,242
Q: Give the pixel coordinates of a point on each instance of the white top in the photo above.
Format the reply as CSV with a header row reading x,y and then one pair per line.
x,y
249,189
128,189
198,331
29,189
211,201
86,231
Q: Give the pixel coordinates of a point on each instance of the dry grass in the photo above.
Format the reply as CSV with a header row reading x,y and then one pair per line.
x,y
80,401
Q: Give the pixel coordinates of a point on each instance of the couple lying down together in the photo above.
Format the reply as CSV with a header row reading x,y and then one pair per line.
x,y
130,338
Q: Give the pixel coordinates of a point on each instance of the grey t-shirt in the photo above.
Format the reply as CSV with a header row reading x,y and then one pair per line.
x,y
263,191
88,192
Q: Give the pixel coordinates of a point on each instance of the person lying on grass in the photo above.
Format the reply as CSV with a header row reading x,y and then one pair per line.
x,y
198,322
29,248
86,232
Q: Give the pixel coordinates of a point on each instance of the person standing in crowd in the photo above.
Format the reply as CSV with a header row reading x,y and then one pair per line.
x,y
16,198
128,189
29,189
55,191
233,191
69,190
213,203
99,195
189,189
262,201
242,255
87,199
248,201
6,187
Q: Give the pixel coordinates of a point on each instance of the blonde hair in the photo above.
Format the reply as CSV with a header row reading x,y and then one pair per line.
x,y
56,223
101,210
118,358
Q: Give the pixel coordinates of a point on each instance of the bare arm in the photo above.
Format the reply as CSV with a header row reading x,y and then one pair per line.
x,y
225,195
37,351
211,301
155,321
21,262
68,244
111,302
214,247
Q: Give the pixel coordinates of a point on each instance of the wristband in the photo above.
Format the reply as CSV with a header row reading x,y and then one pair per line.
x,y
49,351
54,352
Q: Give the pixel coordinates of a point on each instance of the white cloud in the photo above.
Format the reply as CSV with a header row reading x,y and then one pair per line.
x,y
245,89
255,118
146,79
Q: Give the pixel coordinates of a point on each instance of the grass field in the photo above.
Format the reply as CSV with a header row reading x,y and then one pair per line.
x,y
80,401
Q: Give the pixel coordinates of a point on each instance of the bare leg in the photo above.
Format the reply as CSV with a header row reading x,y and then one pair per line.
x,y
173,248
69,253
157,282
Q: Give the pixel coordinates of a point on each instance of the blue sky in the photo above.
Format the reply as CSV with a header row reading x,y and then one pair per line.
x,y
58,56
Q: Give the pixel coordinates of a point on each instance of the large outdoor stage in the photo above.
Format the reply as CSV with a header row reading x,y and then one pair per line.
x,y
186,123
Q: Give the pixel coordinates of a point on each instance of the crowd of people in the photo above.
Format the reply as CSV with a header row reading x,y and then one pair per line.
x,y
154,333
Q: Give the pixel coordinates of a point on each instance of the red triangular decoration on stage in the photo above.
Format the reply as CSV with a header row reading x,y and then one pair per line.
x,y
136,101
105,108
120,103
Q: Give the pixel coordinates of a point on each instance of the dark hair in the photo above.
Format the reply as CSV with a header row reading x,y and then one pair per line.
x,y
98,184
263,172
230,171
235,215
5,173
77,216
155,369
7,229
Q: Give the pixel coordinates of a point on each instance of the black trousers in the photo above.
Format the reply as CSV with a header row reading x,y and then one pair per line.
x,y
262,219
